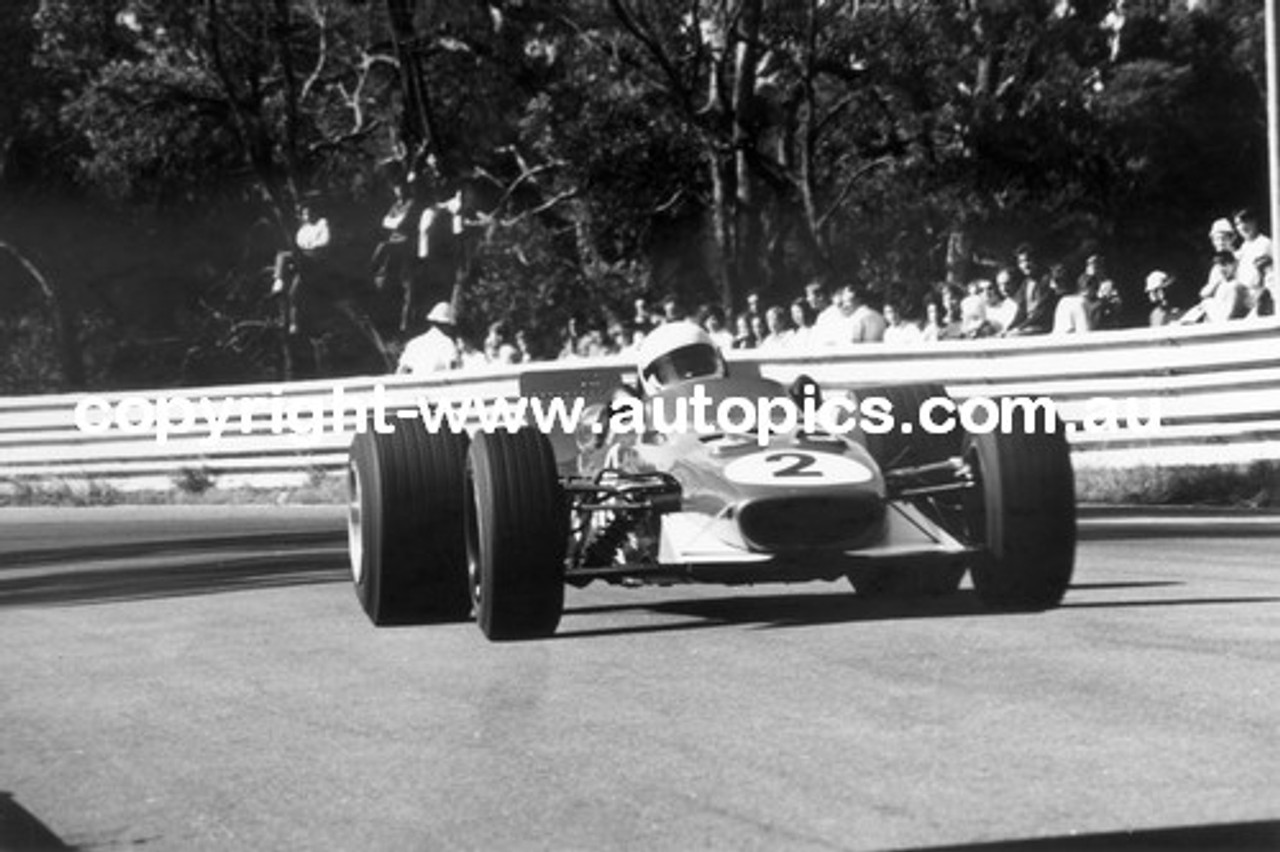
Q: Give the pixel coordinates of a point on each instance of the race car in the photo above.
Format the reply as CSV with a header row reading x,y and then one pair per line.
x,y
444,526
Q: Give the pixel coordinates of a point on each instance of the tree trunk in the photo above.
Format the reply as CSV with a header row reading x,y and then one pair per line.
x,y
749,231
417,125
723,225
62,318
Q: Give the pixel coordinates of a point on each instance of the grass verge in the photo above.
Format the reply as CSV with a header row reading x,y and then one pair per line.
x,y
316,491
1253,485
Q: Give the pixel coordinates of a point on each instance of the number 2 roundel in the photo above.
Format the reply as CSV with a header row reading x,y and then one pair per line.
x,y
798,468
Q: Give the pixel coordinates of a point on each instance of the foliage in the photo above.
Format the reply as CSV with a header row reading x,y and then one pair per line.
x,y
153,154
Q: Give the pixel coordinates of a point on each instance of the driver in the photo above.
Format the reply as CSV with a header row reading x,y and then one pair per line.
x,y
676,353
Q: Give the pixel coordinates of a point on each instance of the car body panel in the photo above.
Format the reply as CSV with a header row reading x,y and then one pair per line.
x,y
794,505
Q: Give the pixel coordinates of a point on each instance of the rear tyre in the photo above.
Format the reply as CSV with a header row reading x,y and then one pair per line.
x,y
1023,513
517,531
404,525
898,449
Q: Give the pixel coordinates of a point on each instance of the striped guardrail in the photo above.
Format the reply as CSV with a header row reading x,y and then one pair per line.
x,y
1217,390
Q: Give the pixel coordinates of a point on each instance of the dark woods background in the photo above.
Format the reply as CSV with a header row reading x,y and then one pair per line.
x,y
153,153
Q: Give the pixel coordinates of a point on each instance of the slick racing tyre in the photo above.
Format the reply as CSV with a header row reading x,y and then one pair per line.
x,y
517,530
897,448
404,524
1023,515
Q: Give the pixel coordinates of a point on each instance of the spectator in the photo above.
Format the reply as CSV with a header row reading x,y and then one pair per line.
x,y
743,338
1074,312
593,344
1036,298
816,296
753,304
524,349
952,316
1224,297
642,318
759,330
1253,245
1059,281
802,317
469,356
311,242
1222,236
571,340
1107,306
713,323
778,331
620,338
672,310
445,216
497,350
394,258
1113,24
439,235
898,329
391,256
1001,309
435,350
868,323
931,329
1162,310
1265,303
973,314
832,326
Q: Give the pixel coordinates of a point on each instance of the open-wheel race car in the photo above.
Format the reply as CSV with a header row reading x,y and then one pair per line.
x,y
444,526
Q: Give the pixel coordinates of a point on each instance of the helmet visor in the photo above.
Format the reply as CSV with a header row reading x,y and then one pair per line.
x,y
688,362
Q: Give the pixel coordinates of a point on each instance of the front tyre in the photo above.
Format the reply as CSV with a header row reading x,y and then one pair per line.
x,y
1023,514
897,448
517,530
404,525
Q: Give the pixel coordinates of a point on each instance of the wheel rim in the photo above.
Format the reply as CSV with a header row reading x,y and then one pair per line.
x,y
355,523
471,527
973,503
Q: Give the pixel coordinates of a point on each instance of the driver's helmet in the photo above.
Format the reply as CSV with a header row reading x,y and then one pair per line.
x,y
677,352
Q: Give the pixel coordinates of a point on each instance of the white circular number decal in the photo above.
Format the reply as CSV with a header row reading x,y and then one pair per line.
x,y
796,467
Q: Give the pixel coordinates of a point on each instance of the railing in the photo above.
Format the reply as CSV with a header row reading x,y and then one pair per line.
x,y
1217,390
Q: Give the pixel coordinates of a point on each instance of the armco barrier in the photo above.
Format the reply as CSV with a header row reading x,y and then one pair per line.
x,y
1217,388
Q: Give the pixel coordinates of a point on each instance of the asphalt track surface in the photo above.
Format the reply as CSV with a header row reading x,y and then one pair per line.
x,y
204,679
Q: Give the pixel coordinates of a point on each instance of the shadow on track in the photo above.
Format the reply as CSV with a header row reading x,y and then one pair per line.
x,y
1240,836
144,546
21,830
769,612
182,575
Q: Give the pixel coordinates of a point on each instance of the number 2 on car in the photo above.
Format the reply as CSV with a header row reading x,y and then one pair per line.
x,y
795,468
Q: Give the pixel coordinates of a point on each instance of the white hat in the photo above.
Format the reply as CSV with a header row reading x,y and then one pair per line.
x,y
1221,226
1157,281
441,314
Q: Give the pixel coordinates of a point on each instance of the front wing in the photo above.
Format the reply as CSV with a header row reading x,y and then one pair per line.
x,y
693,549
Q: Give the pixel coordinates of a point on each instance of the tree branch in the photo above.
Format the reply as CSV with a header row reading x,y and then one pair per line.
x,y
847,189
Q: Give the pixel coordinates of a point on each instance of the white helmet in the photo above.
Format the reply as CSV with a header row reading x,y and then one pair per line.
x,y
677,352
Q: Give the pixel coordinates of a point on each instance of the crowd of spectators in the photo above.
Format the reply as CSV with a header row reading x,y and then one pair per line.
x,y
1025,297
